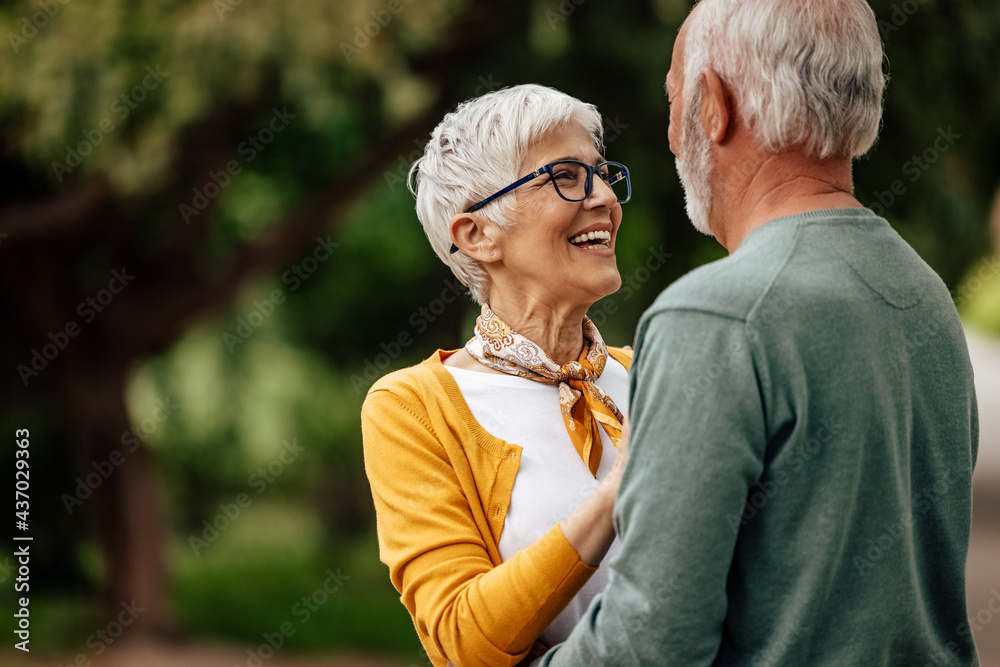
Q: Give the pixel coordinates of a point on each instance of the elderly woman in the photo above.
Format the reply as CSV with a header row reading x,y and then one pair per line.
x,y
493,468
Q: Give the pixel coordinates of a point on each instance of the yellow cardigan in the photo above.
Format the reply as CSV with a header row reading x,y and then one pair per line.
x,y
441,485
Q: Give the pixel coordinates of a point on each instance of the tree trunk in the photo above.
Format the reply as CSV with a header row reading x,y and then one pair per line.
x,y
127,507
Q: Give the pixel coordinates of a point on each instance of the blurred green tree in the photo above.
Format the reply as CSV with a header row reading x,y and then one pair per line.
x,y
125,126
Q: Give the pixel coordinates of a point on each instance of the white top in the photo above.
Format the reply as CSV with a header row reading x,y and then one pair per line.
x,y
552,479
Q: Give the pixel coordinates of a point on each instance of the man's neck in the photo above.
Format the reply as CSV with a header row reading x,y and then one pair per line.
x,y
772,186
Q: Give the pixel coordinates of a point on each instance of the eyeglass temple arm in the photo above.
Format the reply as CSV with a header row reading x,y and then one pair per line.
x,y
619,176
497,195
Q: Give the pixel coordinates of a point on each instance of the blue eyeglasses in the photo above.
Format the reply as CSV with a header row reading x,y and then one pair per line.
x,y
573,181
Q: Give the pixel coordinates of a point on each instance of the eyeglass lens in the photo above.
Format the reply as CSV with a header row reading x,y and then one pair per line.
x,y
570,180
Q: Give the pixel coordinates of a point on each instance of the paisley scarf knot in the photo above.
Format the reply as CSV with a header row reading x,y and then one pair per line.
x,y
498,346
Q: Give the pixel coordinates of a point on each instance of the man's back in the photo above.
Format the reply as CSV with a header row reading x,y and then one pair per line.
x,y
855,539
799,492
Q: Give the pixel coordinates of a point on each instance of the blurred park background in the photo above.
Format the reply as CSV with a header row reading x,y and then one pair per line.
x,y
208,253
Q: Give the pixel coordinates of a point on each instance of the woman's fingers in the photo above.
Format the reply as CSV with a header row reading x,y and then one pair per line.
x,y
626,433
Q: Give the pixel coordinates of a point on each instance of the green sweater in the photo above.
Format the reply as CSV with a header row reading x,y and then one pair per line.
x,y
799,483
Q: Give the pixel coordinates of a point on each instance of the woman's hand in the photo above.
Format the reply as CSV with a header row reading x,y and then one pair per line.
x,y
621,457
589,528
622,451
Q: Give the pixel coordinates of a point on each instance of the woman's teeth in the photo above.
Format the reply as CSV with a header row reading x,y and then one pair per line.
x,y
596,239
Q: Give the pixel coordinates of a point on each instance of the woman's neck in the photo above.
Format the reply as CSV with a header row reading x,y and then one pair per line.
x,y
556,328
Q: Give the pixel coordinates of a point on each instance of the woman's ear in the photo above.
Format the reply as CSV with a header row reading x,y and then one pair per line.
x,y
475,237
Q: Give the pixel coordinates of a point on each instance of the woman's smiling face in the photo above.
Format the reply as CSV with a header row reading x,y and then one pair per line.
x,y
538,254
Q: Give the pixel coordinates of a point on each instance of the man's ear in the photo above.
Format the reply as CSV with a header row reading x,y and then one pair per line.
x,y
716,107
475,237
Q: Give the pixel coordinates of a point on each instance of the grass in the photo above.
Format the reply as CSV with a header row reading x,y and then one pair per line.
x,y
250,582
273,573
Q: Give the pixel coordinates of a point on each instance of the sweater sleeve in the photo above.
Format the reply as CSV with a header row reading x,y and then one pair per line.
x,y
696,449
465,609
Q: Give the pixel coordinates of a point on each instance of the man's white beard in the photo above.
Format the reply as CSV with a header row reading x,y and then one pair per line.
x,y
694,167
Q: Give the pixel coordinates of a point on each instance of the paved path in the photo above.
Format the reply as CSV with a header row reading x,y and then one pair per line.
x,y
985,353
983,571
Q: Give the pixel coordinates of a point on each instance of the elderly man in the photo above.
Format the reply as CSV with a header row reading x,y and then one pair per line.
x,y
804,426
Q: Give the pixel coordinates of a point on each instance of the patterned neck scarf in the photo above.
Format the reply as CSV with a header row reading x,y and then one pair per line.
x,y
500,347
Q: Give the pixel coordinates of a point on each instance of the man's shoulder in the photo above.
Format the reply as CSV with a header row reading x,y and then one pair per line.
x,y
727,287
812,258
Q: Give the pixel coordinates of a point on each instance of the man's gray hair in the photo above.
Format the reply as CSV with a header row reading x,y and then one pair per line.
x,y
476,151
802,73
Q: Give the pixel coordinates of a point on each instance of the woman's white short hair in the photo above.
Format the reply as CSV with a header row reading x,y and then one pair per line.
x,y
802,73
476,151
